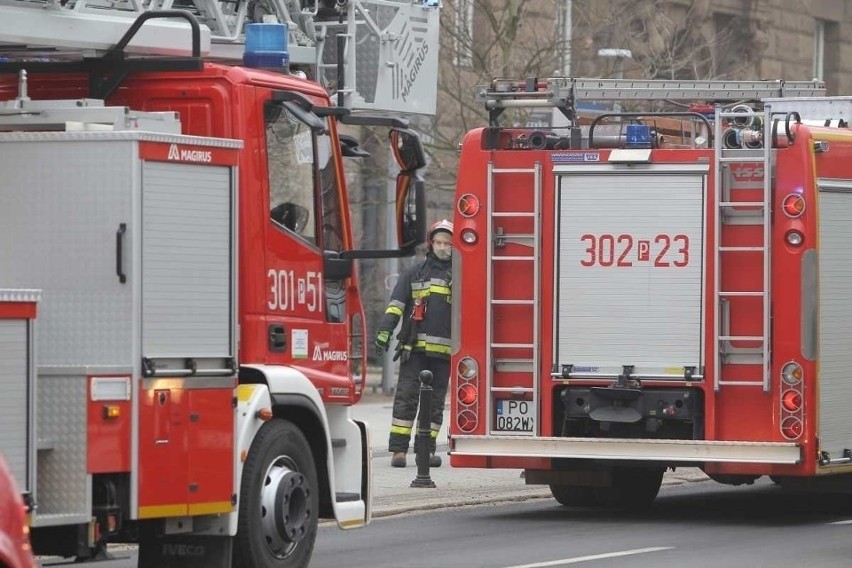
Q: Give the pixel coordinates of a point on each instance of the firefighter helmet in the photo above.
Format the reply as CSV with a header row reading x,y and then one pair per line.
x,y
442,225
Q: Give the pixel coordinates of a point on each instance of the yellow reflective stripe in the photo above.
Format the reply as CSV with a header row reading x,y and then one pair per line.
x,y
435,289
394,310
433,348
160,511
434,433
213,508
404,430
434,339
419,293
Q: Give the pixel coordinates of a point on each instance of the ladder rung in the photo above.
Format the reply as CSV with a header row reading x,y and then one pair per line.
x,y
742,293
512,345
513,361
742,249
738,114
513,170
513,258
512,389
742,204
741,338
741,383
513,302
740,159
513,214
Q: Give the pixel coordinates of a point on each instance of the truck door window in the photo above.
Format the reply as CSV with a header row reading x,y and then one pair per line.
x,y
290,156
332,223
332,226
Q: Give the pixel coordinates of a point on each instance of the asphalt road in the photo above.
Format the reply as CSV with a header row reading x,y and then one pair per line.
x,y
698,525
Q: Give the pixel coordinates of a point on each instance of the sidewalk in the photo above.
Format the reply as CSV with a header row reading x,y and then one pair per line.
x,y
392,491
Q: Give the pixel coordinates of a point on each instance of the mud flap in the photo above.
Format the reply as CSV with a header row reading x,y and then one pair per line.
x,y
157,550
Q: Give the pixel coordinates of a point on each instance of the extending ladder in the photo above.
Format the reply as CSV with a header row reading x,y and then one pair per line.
x,y
498,238
94,26
370,54
756,211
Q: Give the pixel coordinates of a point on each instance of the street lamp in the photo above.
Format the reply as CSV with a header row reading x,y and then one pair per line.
x,y
620,55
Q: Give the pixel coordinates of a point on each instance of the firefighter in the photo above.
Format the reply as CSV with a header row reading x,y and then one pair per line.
x,y
422,298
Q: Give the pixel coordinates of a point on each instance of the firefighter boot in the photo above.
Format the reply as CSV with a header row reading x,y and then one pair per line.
x,y
398,459
434,460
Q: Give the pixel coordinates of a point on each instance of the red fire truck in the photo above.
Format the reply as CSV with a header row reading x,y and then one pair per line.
x,y
659,288
181,332
15,549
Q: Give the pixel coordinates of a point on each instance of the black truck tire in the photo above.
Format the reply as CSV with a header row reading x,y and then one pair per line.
x,y
278,501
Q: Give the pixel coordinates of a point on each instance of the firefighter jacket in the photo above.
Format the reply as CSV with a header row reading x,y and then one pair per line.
x,y
422,297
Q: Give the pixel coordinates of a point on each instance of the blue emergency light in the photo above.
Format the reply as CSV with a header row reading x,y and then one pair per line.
x,y
638,136
266,46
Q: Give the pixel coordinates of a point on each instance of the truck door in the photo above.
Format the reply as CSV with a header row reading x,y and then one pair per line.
x,y
630,270
307,314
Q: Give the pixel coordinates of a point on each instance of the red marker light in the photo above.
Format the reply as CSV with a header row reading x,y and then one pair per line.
x,y
791,400
793,205
468,394
468,205
467,421
791,428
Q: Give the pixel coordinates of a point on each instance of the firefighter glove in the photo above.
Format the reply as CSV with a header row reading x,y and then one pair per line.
x,y
382,341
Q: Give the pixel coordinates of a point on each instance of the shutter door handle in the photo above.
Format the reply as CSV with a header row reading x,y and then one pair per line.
x,y
119,248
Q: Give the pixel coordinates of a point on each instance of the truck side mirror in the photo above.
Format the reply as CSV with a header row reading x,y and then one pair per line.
x,y
407,149
410,211
334,267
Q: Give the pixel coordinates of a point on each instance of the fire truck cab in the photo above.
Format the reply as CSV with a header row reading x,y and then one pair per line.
x,y
661,287
185,338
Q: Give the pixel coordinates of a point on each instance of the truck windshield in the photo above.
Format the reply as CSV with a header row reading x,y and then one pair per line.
x,y
301,165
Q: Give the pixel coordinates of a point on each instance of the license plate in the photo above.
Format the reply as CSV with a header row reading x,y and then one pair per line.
x,y
514,416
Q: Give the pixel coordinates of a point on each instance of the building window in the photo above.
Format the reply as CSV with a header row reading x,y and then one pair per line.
x,y
731,48
463,33
819,50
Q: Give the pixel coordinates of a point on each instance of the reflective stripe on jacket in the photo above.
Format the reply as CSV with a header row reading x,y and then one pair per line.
x,y
430,282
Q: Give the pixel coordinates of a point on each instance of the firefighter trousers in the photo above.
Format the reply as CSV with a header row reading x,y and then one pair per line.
x,y
407,398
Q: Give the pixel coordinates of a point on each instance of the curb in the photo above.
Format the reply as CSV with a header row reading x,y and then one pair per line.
x,y
391,505
533,495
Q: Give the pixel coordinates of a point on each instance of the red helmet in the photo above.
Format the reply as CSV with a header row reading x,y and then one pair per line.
x,y
442,225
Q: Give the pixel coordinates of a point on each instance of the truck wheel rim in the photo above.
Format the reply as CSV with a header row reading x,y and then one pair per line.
x,y
284,508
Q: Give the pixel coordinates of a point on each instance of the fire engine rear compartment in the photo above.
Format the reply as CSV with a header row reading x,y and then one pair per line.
x,y
629,284
630,271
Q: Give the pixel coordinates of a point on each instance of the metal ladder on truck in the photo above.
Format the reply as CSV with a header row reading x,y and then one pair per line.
x,y
96,25
374,38
751,212
528,367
